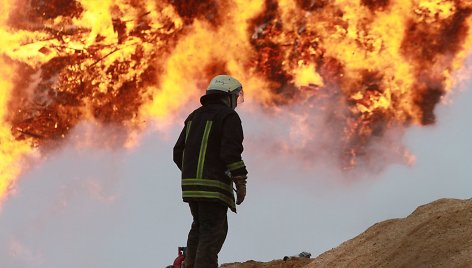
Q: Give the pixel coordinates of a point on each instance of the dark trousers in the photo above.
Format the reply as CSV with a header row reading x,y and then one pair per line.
x,y
207,234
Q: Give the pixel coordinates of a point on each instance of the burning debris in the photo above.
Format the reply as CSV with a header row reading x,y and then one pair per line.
x,y
369,66
86,76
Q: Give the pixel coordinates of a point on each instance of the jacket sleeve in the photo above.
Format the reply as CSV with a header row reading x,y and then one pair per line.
x,y
179,149
232,145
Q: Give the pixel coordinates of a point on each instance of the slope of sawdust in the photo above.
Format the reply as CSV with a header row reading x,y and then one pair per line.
x,y
438,234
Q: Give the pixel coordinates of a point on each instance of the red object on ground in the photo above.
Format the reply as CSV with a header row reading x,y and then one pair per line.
x,y
180,258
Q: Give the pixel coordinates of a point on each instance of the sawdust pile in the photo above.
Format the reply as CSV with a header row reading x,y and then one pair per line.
x,y
438,234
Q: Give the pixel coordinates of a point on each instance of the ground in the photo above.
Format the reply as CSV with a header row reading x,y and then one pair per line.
x,y
293,263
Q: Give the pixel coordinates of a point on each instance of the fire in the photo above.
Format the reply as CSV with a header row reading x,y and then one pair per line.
x,y
10,150
371,65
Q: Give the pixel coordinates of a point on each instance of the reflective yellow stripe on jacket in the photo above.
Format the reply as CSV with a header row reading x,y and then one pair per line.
x,y
211,183
212,195
235,165
203,147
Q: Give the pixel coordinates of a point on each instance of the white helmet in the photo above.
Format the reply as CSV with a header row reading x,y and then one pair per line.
x,y
222,84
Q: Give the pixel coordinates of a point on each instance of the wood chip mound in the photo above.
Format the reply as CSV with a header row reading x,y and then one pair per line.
x,y
438,234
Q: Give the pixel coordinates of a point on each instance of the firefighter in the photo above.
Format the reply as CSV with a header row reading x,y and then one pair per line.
x,y
208,152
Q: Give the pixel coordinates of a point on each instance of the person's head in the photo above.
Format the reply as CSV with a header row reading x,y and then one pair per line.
x,y
227,88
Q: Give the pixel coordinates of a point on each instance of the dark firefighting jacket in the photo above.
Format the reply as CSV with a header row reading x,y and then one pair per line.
x,y
208,152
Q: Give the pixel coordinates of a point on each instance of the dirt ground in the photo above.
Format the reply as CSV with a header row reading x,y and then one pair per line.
x,y
438,234
293,263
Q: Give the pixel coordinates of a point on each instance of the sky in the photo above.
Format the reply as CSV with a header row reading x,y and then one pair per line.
x,y
88,207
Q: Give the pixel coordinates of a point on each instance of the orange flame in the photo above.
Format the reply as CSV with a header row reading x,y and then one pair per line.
x,y
378,64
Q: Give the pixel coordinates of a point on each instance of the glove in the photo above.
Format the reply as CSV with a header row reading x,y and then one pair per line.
x,y
240,182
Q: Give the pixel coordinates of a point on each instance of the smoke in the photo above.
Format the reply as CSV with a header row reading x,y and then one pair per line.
x,y
21,252
69,203
315,134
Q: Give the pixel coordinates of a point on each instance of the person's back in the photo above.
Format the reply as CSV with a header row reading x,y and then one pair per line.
x,y
208,152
